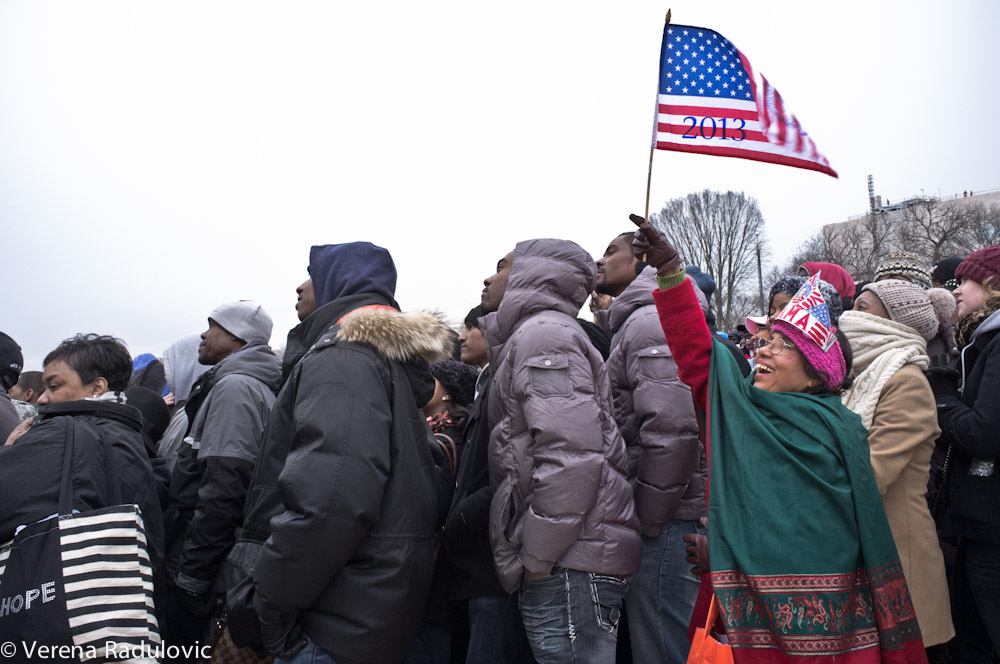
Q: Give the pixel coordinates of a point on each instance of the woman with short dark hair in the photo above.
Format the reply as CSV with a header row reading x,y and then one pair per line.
x,y
85,378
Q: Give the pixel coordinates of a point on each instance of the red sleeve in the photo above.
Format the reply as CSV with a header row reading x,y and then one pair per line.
x,y
688,337
690,342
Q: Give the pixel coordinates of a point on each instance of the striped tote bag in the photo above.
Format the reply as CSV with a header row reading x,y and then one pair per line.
x,y
79,586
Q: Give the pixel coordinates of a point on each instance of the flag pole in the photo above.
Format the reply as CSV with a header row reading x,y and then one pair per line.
x,y
649,178
652,148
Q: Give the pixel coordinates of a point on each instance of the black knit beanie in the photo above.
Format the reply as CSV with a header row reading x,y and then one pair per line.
x,y
458,379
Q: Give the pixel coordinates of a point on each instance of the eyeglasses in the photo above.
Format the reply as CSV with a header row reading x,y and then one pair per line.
x,y
776,346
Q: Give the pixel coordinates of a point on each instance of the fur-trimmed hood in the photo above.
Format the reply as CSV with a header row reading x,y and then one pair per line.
x,y
400,336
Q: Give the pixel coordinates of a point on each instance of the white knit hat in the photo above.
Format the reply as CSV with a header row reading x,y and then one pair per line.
x,y
908,304
944,303
244,319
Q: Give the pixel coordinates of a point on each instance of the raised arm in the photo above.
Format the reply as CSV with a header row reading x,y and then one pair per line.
x,y
680,314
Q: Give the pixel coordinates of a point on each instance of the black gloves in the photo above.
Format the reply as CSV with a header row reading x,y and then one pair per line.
x,y
200,605
282,641
943,379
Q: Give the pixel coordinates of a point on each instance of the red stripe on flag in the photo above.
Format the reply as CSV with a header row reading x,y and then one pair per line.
x,y
758,94
713,111
745,153
782,126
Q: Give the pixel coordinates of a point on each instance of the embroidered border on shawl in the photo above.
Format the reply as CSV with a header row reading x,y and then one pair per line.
x,y
821,614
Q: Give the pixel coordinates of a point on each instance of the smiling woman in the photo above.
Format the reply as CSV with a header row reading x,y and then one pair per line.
x,y
788,475
778,371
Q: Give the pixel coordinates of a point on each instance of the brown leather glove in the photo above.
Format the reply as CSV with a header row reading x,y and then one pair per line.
x,y
657,249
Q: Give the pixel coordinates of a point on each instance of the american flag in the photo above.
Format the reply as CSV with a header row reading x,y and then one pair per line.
x,y
807,311
711,101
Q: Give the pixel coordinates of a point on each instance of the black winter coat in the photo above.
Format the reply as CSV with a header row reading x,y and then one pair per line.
x,y
339,531
31,469
971,424
467,530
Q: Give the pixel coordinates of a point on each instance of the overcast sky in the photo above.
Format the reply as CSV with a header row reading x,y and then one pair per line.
x,y
157,159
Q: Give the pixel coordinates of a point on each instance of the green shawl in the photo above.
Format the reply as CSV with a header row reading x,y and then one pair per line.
x,y
803,560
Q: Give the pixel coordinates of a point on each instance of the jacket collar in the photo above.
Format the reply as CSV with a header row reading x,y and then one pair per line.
x,y
991,324
302,337
414,339
122,413
637,294
399,336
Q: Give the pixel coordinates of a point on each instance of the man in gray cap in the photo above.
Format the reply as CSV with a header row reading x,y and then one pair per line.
x,y
228,409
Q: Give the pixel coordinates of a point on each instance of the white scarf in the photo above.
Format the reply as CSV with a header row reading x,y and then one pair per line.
x,y
114,397
881,347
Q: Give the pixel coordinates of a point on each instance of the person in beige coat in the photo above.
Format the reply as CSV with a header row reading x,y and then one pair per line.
x,y
888,330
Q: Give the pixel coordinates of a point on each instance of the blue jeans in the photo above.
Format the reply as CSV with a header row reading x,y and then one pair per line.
x,y
571,617
311,654
661,597
496,632
975,603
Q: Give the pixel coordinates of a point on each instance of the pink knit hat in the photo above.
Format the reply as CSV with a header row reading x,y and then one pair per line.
x,y
829,364
805,320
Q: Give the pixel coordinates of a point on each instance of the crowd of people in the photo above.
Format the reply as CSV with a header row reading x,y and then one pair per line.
x,y
540,487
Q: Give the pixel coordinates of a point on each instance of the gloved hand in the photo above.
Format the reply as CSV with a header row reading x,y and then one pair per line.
x,y
282,640
242,621
943,379
657,249
200,605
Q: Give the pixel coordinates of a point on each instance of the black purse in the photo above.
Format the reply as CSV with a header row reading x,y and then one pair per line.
x,y
936,501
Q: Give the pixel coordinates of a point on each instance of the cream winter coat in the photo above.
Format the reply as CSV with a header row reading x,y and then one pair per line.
x,y
901,439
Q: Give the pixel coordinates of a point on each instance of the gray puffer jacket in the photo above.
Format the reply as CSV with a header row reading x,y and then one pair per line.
x,y
230,405
654,412
557,462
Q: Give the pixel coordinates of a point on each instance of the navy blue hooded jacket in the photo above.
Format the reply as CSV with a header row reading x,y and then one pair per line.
x,y
338,270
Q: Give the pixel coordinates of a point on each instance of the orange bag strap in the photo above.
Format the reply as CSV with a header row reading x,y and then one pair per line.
x,y
713,613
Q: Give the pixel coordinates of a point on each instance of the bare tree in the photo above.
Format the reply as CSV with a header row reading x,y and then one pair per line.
x,y
934,230
812,249
983,225
864,245
857,245
721,233
745,304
